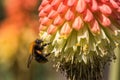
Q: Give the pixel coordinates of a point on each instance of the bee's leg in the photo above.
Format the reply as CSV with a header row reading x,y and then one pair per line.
x,y
47,54
29,60
42,46
46,44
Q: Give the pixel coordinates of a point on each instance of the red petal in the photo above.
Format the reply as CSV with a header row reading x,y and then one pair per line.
x,y
69,15
55,3
114,4
104,20
42,13
81,6
40,8
52,14
88,16
94,6
71,2
62,8
46,21
95,26
105,9
66,29
47,8
78,23
87,1
58,20
52,29
65,2
118,10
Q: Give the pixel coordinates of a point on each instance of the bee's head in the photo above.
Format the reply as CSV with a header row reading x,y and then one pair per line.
x,y
38,41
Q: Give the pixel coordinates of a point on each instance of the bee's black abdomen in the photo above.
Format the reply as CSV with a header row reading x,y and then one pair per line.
x,y
38,47
41,58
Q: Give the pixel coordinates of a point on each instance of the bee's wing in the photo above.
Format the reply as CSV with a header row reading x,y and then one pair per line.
x,y
31,54
29,60
31,47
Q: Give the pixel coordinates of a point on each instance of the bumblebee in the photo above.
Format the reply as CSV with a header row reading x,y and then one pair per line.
x,y
36,50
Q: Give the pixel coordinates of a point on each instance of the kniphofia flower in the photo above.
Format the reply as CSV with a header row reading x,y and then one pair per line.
x,y
83,35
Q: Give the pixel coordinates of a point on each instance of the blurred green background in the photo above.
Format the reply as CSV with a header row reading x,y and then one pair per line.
x,y
18,28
